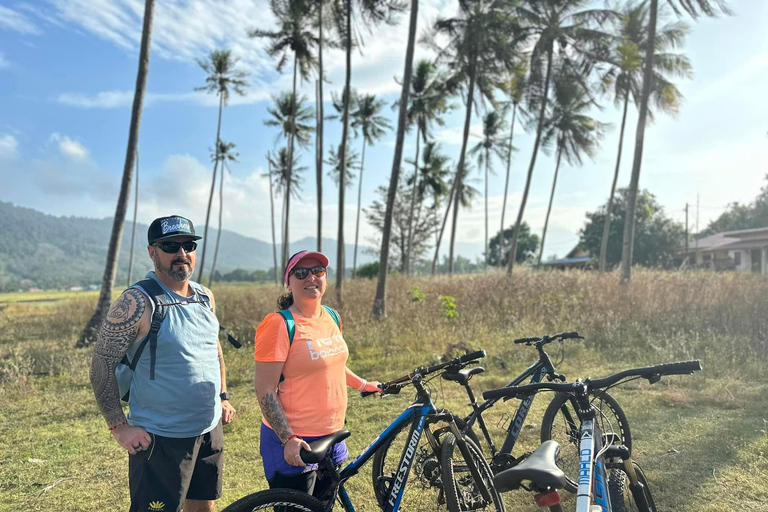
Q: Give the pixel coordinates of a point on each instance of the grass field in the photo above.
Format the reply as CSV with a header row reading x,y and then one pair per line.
x,y
702,439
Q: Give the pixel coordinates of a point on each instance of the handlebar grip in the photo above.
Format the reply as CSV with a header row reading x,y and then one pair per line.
x,y
364,394
570,335
526,340
500,393
471,357
681,368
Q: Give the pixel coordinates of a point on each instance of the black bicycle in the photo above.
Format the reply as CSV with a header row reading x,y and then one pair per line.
x,y
559,415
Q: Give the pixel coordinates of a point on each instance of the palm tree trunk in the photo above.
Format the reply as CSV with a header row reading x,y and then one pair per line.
x,y
343,149
442,227
210,196
519,222
359,198
629,223
549,208
272,214
379,309
319,132
506,187
460,171
413,202
487,163
609,206
221,212
290,166
110,269
135,210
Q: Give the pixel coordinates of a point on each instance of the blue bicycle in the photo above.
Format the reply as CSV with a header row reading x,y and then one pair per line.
x,y
421,414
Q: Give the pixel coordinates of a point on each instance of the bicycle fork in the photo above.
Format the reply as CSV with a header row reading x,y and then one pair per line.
x,y
470,461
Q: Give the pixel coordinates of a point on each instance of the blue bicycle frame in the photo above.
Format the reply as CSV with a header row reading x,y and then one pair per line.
x,y
593,478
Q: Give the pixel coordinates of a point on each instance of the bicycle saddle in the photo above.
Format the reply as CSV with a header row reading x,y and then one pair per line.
x,y
463,376
539,468
321,446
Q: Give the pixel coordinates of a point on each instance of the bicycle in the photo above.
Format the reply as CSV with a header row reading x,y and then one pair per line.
x,y
546,478
560,407
419,416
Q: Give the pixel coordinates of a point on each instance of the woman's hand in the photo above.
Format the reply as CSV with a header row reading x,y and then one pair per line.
x,y
371,387
292,451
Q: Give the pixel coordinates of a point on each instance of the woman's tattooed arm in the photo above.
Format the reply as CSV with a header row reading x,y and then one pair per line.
x,y
118,332
266,380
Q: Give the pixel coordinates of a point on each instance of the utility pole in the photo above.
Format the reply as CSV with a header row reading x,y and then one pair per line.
x,y
686,233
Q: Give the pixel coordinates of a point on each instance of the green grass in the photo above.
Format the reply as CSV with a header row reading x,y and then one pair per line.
x,y
702,440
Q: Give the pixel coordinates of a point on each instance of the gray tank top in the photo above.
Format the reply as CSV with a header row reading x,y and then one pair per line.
x,y
183,399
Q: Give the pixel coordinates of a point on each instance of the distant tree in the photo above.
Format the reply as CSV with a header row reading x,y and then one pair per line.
x,y
334,160
657,237
286,180
225,153
369,270
742,216
527,245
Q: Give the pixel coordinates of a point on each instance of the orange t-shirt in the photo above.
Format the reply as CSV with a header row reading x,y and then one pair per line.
x,y
314,392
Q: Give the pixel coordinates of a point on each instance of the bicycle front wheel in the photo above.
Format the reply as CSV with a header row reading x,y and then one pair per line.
x,y
462,491
277,500
561,423
623,499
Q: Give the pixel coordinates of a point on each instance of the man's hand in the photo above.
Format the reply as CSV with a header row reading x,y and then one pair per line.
x,y
133,439
227,412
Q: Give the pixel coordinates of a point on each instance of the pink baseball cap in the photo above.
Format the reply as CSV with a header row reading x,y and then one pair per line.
x,y
296,258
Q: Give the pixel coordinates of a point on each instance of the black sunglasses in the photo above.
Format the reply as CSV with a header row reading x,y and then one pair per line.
x,y
303,273
173,247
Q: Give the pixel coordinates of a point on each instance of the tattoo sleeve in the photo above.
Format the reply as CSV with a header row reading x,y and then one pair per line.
x,y
118,332
272,409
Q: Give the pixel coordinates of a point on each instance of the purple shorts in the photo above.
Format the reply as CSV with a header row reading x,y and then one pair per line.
x,y
272,454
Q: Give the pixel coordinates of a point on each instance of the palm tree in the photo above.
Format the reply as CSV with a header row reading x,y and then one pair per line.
x,y
372,126
481,43
515,88
287,181
694,8
427,104
352,160
553,26
295,35
320,7
270,175
222,76
293,117
379,308
570,129
135,210
225,153
493,125
90,331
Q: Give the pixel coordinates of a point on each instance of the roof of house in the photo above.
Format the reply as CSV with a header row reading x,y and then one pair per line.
x,y
731,240
567,261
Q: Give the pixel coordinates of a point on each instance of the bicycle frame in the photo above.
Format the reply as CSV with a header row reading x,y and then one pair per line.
x,y
593,478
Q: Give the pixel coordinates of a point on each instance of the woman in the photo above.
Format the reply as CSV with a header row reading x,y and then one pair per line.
x,y
301,383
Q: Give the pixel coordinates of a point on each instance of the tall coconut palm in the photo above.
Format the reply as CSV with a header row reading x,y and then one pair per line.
x,y
293,118
570,129
287,181
271,174
367,119
225,153
553,26
222,76
110,269
493,143
480,45
352,161
515,88
694,8
427,105
135,211
295,36
379,308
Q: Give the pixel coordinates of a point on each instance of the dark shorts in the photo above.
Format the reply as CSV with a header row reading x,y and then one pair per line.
x,y
174,469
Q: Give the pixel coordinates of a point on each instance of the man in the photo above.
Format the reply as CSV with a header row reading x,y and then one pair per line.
x,y
178,393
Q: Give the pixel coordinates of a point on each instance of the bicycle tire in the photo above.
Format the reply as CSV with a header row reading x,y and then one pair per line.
x,y
554,425
380,464
622,499
281,500
461,492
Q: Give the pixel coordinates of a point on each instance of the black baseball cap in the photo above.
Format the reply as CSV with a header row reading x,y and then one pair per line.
x,y
167,227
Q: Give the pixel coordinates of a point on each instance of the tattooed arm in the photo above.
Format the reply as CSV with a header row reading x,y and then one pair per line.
x,y
127,320
266,380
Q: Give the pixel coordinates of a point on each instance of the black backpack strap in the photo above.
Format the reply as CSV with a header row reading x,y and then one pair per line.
x,y
157,296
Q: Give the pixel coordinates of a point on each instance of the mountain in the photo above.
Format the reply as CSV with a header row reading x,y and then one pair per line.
x,y
59,252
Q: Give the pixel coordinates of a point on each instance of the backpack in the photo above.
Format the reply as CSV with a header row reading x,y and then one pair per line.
x,y
126,368
290,324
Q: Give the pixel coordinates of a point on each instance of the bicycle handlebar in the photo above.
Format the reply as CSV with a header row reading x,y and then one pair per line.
x,y
548,339
648,372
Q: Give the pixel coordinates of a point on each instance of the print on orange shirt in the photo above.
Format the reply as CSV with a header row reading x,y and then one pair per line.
x,y
314,392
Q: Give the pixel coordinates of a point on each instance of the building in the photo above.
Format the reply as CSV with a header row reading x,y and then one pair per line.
x,y
577,258
745,250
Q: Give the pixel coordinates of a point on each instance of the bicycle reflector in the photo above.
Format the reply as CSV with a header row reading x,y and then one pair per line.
x,y
547,499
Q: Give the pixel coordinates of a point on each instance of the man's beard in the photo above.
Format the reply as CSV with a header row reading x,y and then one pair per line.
x,y
178,274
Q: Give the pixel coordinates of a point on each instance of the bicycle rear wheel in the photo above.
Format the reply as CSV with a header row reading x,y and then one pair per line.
x,y
622,497
561,423
462,491
277,500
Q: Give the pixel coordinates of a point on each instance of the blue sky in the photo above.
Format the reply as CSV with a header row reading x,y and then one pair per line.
x,y
68,68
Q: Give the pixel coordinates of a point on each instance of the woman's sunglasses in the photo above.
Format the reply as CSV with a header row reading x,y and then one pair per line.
x,y
173,247
303,273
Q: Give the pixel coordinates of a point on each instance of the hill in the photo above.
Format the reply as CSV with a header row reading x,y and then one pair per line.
x,y
46,251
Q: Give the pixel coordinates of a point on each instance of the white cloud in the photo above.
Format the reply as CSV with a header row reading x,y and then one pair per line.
x,y
13,20
4,63
69,147
8,145
455,135
122,99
